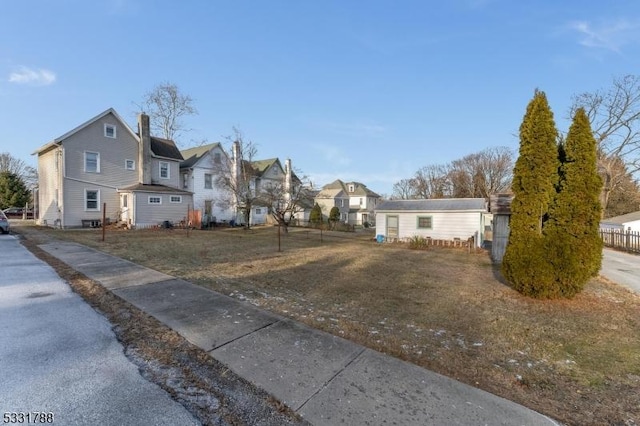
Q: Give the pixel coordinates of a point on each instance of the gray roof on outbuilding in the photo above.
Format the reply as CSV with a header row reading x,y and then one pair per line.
x,y
440,204
622,219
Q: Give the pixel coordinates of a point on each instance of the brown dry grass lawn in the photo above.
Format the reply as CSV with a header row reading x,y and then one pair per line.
x,y
444,309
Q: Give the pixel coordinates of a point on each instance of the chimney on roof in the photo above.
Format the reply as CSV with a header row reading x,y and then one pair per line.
x,y
287,177
144,149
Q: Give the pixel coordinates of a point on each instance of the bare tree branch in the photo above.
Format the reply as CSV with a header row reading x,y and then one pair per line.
x,y
167,107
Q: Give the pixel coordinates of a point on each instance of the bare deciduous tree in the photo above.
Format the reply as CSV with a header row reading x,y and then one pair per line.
x,y
475,175
431,182
285,199
482,174
166,107
615,121
403,190
237,176
18,167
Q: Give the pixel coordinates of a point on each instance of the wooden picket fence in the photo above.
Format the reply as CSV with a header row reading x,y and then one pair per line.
x,y
621,239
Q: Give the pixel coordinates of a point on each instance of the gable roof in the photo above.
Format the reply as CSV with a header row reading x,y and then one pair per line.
x,y
165,148
360,189
622,219
87,123
261,166
439,204
193,155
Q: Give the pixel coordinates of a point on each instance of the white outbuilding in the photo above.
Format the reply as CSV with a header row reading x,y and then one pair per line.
x,y
446,219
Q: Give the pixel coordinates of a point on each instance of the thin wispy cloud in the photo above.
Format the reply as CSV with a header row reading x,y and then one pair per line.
x,y
357,128
612,36
34,77
333,154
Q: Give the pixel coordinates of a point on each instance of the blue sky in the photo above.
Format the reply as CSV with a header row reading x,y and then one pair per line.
x,y
357,90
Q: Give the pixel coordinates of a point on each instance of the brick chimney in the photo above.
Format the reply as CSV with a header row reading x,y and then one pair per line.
x,y
144,149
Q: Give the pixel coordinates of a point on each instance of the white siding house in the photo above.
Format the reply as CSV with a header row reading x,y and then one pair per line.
x,y
199,171
440,219
625,222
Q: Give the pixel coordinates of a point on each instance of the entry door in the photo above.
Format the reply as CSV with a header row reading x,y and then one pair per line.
x,y
124,208
392,227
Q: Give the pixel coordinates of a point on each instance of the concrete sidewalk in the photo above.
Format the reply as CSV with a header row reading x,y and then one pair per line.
x,y
326,379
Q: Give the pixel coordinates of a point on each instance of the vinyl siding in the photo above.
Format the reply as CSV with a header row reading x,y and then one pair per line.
x,y
48,183
218,196
445,225
113,153
174,173
112,171
148,215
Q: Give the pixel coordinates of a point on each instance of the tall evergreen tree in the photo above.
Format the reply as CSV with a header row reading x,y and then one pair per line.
x,y
13,191
574,247
535,177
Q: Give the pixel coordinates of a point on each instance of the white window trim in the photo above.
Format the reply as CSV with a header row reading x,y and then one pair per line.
x,y
112,126
133,164
168,170
97,209
210,181
179,197
97,161
154,196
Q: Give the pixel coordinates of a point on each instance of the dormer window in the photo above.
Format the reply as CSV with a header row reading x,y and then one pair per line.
x,y
352,187
110,131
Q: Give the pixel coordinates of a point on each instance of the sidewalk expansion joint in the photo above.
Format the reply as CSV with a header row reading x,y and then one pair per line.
x,y
243,336
331,379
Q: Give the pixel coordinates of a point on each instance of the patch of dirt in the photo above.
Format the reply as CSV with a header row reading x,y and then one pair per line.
x,y
205,387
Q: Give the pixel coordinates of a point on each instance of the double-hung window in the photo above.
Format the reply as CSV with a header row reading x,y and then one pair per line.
x,y
92,162
164,170
208,181
91,199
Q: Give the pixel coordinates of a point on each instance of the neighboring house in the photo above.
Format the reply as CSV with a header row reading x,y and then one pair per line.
x,y
355,201
625,222
440,219
334,195
199,171
103,162
362,203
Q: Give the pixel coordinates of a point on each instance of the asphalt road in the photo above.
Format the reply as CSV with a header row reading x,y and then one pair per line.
x,y
622,268
59,356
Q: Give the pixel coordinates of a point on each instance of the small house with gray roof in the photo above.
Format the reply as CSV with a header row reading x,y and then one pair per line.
x,y
448,219
625,222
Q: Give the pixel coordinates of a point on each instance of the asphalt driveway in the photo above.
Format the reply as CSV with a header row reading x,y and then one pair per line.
x,y
59,356
622,268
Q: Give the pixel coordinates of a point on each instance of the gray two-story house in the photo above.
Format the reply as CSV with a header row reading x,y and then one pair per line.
x,y
104,168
